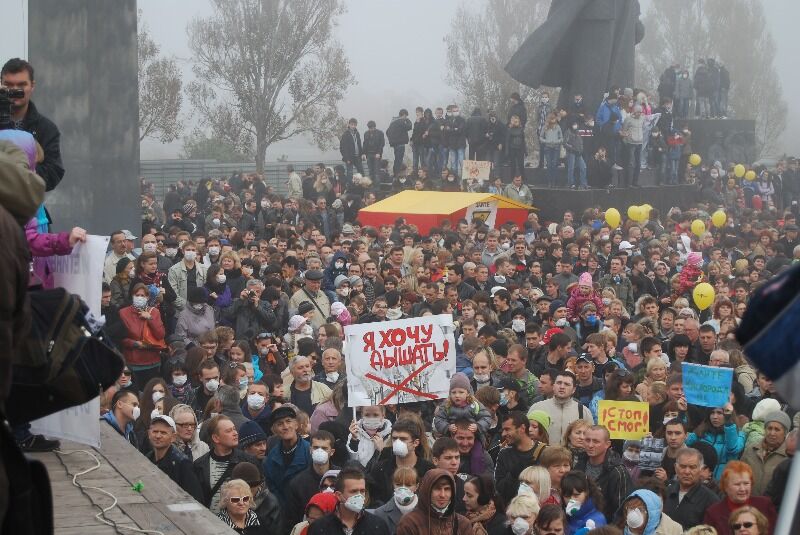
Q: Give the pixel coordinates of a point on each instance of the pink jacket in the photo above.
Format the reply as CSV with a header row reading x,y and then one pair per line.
x,y
576,301
43,245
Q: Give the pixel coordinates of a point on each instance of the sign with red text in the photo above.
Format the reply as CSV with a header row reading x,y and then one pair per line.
x,y
624,419
476,169
402,361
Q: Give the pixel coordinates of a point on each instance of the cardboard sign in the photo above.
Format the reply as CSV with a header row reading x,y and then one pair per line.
x,y
484,211
403,361
706,386
624,419
476,169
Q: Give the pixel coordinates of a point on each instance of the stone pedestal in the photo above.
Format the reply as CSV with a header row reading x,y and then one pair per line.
x,y
85,58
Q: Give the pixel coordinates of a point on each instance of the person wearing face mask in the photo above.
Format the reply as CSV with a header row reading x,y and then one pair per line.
x,y
404,501
123,414
144,336
643,514
196,318
306,483
405,437
368,435
186,274
582,502
484,507
121,283
435,510
220,295
350,517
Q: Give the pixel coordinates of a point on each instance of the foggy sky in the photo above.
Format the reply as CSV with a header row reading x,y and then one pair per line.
x,y
398,56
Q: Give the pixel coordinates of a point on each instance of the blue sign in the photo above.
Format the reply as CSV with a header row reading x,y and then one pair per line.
x,y
706,386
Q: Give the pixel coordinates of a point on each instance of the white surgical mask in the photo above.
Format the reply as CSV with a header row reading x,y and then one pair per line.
x,y
524,488
136,413
319,456
190,255
264,204
632,457
149,248
243,383
633,347
132,273
247,271
212,385
255,401
482,378
518,325
216,221
157,396
221,278
197,306
213,250
355,503
634,519
403,495
573,506
606,301
171,252
400,448
154,413
179,380
332,376
562,322
372,423
139,301
520,526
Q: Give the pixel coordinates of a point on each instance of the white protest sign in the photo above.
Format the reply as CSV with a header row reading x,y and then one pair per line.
x,y
80,273
79,424
402,361
476,169
484,211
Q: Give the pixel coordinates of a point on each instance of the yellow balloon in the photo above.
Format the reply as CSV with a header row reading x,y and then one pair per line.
x,y
695,159
703,295
750,175
613,217
646,211
719,218
739,170
633,210
698,227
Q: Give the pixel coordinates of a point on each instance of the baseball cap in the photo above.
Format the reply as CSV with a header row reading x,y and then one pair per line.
x,y
166,419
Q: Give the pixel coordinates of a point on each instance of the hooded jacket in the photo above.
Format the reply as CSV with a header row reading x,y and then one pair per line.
x,y
330,273
588,512
424,520
657,522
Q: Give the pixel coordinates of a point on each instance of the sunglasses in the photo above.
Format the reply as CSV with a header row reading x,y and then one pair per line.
x,y
127,372
746,525
237,499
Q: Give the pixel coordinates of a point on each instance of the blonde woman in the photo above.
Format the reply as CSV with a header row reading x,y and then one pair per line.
x,y
236,502
231,265
535,481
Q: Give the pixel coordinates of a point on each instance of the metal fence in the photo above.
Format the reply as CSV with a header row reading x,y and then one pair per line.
x,y
162,173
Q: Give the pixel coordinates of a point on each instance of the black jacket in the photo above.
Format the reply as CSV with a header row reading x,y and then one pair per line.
x,y
519,110
202,469
46,133
477,125
614,481
691,510
398,130
383,472
455,133
374,141
436,132
367,524
350,150
420,127
495,134
510,463
301,488
180,470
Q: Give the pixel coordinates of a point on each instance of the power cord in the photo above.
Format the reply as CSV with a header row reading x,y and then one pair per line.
x,y
101,516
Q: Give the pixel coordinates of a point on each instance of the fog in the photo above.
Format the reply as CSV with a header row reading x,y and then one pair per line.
x,y
397,54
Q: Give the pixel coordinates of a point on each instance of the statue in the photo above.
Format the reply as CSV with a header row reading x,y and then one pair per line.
x,y
584,47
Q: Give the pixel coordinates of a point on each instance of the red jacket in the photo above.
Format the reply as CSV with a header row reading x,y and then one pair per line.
x,y
134,325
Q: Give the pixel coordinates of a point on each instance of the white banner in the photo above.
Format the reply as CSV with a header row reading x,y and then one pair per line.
x,y
479,169
485,211
79,273
402,361
79,424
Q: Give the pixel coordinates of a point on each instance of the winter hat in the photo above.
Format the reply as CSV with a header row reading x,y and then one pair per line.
x,y
304,307
25,141
541,418
460,380
197,295
780,417
338,281
694,259
632,444
555,305
325,501
764,408
549,334
250,433
296,322
337,308
585,280
355,280
244,470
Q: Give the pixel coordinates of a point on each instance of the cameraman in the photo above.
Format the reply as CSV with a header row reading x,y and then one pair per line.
x,y
18,74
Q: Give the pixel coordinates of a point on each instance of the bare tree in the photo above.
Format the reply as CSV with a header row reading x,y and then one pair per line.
x,y
269,70
479,45
160,91
735,33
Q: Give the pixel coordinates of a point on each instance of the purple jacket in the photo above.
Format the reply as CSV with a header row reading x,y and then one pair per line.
x,y
43,245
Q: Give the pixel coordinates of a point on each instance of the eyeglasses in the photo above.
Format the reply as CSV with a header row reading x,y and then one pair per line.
x,y
127,372
745,525
237,499
187,425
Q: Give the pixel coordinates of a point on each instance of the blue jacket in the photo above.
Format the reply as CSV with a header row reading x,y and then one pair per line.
x,y
587,512
604,113
278,474
728,445
129,435
654,509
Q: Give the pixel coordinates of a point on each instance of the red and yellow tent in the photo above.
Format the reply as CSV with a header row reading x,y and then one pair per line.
x,y
427,209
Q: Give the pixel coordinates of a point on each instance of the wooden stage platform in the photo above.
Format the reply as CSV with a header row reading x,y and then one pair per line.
x,y
160,506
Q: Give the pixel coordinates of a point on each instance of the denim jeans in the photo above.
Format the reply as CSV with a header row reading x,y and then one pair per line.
x,y
419,156
551,161
672,167
633,159
399,154
454,160
358,166
572,159
372,165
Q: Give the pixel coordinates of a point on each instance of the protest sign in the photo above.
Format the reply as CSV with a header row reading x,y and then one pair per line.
x,y
81,272
624,419
400,361
78,424
651,454
484,211
706,386
476,169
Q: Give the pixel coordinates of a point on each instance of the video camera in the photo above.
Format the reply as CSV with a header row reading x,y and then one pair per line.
x,y
6,95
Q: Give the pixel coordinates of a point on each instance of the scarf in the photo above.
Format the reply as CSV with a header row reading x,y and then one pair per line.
x,y
479,518
153,283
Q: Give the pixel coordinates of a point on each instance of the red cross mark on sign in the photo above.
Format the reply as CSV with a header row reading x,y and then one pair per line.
x,y
396,388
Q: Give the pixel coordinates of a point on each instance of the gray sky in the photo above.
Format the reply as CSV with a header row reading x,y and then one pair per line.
x,y
397,55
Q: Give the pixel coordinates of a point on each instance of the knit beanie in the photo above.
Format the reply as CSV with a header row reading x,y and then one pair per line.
x,y
780,417
540,417
585,280
459,380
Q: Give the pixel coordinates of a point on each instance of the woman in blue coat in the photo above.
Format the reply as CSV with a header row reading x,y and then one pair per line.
x,y
719,429
582,501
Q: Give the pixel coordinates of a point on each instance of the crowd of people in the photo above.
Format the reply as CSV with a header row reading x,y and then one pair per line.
x,y
230,307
